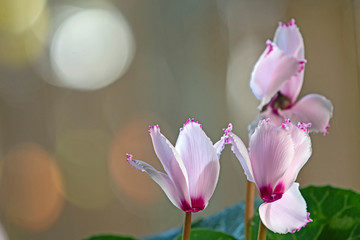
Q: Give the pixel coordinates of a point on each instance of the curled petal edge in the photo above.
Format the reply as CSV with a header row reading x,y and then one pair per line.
x,y
288,214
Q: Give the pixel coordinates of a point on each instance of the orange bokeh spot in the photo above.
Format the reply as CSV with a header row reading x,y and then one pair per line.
x,y
135,185
29,189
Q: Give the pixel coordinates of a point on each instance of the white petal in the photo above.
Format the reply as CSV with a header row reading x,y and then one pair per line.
x,y
171,161
314,109
160,178
287,214
271,72
196,151
205,186
242,154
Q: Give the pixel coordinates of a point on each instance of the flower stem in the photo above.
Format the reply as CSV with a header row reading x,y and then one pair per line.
x,y
249,207
262,231
187,226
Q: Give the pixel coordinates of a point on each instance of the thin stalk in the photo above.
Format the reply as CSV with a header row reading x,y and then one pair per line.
x,y
262,231
249,207
187,226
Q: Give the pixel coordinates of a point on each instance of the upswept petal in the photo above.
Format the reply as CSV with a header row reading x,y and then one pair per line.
x,y
268,113
220,145
171,161
271,153
271,71
302,147
241,153
288,38
313,108
160,178
196,151
287,214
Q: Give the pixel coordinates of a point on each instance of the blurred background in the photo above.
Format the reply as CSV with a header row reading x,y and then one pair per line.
x,y
81,81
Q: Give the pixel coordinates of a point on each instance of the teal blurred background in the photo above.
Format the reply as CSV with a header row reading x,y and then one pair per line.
x,y
81,81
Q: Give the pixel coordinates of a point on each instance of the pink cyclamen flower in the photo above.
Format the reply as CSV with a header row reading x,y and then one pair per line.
x,y
277,153
192,166
277,79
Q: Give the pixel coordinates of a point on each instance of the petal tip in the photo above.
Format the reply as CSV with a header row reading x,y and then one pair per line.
x,y
265,121
133,162
304,126
270,47
289,24
153,128
308,219
326,131
128,157
227,132
190,121
302,65
285,125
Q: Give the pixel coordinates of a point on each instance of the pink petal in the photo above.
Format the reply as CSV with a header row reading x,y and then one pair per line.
x,y
197,152
271,71
160,178
268,113
302,147
292,88
288,38
171,161
241,152
287,214
313,108
271,153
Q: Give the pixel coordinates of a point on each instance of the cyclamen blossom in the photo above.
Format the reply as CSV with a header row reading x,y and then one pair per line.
x,y
277,153
277,79
192,166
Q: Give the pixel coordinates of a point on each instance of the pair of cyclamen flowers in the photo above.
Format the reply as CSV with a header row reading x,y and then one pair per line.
x,y
278,148
192,166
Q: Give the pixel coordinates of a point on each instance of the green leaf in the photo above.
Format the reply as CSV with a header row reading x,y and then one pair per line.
x,y
229,221
109,237
335,213
201,234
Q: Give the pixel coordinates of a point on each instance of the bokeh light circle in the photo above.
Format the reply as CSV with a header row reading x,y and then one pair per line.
x,y
18,15
91,49
30,184
23,31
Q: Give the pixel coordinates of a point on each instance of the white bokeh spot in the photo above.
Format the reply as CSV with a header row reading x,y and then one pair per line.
x,y
91,49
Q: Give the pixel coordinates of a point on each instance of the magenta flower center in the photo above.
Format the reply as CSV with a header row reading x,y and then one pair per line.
x,y
269,195
197,204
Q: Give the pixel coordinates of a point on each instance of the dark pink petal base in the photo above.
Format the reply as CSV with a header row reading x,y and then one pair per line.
x,y
198,204
269,195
